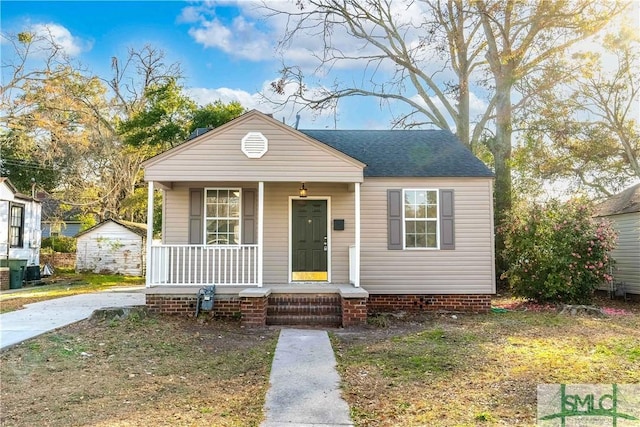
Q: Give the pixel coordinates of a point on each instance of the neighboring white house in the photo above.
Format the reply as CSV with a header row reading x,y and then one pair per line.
x,y
115,247
623,210
20,217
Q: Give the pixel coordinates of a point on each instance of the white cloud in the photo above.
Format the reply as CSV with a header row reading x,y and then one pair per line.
x,y
189,14
241,39
281,105
203,96
61,36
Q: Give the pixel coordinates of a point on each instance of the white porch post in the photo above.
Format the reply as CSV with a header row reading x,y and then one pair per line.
x,y
260,231
356,280
149,259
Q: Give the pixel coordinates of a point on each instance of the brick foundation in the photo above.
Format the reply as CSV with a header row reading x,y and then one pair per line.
x,y
417,303
4,278
223,307
354,311
254,311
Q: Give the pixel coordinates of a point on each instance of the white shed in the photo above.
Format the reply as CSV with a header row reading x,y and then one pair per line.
x,y
113,246
623,210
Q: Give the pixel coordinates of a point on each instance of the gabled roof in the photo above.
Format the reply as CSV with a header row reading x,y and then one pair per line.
x,y
14,190
405,153
627,201
386,153
139,229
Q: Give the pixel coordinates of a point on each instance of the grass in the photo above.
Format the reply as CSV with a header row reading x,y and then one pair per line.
x,y
436,370
141,371
423,370
66,283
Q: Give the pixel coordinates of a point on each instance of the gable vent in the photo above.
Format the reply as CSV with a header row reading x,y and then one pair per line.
x,y
254,145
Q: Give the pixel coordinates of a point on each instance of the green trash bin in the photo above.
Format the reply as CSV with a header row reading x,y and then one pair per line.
x,y
16,272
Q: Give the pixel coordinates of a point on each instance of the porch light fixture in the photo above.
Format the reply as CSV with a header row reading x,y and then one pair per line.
x,y
303,191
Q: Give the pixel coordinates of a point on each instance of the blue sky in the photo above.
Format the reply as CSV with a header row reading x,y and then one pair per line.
x,y
225,50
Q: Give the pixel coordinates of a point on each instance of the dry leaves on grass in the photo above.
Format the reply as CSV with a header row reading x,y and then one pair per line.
x,y
139,372
479,369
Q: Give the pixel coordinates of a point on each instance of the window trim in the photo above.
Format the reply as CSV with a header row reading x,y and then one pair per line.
x,y
206,218
21,227
437,220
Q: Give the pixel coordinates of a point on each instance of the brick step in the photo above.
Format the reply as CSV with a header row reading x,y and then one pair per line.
x,y
311,309
305,320
305,309
304,301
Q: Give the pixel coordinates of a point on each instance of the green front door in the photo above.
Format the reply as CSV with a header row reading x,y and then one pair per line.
x,y
309,240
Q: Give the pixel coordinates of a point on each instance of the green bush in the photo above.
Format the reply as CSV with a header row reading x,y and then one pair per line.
x,y
557,253
61,244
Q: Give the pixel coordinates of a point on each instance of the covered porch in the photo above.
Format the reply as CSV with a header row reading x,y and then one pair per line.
x,y
246,234
260,272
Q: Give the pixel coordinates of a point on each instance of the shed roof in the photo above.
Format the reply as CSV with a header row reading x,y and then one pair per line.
x,y
628,201
405,153
139,229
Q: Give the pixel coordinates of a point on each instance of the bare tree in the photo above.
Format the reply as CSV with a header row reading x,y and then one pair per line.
x,y
504,41
392,38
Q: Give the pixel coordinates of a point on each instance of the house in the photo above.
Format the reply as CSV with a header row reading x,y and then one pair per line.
x,y
114,247
340,222
57,221
623,210
20,217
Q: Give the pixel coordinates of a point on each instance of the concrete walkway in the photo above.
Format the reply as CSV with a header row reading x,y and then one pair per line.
x,y
304,384
41,317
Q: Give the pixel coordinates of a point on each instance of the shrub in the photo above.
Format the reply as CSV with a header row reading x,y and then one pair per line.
x,y
61,244
558,252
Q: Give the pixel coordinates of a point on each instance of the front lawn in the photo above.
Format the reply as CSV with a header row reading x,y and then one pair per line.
x,y
142,371
427,370
469,370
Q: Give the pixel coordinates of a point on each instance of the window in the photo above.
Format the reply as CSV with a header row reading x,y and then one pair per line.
x,y
16,227
222,211
420,219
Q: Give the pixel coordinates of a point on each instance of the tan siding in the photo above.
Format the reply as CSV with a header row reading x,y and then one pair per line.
x,y
176,216
627,252
291,157
467,269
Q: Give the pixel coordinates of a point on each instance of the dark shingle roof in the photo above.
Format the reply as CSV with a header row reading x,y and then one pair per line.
x,y
405,153
626,202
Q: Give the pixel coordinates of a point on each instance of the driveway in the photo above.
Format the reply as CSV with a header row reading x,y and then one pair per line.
x,y
41,317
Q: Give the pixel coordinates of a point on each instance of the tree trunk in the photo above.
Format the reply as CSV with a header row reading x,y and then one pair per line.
x,y
501,150
462,125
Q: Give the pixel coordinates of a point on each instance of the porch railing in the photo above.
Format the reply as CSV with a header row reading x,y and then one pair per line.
x,y
203,265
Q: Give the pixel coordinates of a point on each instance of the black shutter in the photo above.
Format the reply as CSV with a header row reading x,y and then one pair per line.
x,y
447,220
394,219
249,212
196,213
